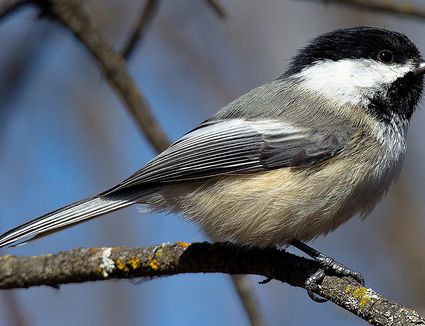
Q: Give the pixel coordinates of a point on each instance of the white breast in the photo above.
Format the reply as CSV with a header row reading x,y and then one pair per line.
x,y
392,137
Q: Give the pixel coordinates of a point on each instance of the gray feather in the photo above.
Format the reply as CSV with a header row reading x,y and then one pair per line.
x,y
67,216
257,132
235,146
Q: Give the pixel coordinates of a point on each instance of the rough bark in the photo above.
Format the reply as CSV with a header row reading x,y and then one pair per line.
x,y
95,264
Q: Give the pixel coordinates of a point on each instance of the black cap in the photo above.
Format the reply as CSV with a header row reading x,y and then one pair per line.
x,y
356,43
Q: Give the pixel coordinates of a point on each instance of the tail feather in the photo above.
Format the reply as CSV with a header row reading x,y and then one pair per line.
x,y
65,217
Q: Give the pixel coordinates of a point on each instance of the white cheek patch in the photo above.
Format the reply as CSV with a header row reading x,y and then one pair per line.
x,y
351,81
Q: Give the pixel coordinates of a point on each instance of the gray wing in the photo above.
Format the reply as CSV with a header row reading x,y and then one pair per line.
x,y
235,146
215,148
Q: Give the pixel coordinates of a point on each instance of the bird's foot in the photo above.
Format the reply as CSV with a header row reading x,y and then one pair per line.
x,y
328,265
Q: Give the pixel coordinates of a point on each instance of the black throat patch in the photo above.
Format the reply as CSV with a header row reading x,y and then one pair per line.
x,y
399,99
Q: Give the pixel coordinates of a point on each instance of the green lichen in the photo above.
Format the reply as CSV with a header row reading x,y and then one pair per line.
x,y
360,294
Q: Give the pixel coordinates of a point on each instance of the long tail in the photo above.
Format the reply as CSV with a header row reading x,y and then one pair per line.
x,y
67,216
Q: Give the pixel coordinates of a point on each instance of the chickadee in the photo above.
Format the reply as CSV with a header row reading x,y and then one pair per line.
x,y
288,161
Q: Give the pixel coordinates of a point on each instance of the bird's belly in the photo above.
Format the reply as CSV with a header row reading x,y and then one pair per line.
x,y
275,207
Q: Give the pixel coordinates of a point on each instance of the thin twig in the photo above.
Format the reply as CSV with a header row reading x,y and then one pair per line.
x,y
406,10
145,19
95,264
75,18
217,8
15,311
246,292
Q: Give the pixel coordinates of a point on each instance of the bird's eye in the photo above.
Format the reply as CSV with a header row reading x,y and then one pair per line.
x,y
385,56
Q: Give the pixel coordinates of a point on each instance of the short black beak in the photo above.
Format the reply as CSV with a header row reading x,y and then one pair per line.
x,y
421,67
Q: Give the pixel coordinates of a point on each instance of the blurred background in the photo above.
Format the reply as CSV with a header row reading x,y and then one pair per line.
x,y
65,135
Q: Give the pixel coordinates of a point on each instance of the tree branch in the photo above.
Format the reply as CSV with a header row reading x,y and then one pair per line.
x,y
95,264
386,7
245,290
73,16
145,19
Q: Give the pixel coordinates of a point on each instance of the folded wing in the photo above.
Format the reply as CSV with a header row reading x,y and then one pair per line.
x,y
215,148
237,146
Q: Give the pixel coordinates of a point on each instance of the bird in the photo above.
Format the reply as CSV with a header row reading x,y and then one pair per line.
x,y
290,160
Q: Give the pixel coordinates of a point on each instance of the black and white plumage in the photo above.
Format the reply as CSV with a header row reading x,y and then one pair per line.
x,y
292,159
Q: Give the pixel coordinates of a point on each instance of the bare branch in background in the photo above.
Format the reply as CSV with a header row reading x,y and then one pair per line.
x,y
217,7
386,7
246,293
15,311
146,17
74,17
95,264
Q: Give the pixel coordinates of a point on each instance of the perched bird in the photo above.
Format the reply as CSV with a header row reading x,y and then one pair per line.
x,y
288,161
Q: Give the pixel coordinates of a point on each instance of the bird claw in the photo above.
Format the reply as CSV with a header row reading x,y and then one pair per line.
x,y
312,285
330,264
327,265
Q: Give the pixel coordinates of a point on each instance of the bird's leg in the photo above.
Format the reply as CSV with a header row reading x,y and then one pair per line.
x,y
327,264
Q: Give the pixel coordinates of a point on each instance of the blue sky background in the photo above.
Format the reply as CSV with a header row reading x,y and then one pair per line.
x,y
65,135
